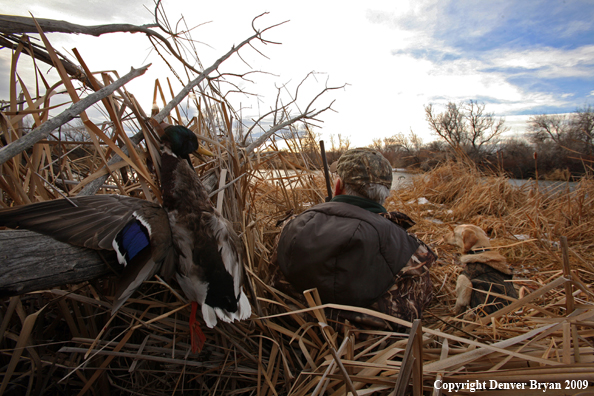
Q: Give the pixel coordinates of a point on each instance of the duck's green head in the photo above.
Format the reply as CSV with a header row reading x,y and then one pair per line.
x,y
182,142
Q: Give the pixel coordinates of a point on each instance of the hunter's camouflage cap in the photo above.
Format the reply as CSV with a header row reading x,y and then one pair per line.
x,y
363,166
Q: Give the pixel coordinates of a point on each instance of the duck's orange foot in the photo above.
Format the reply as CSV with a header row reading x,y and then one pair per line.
x,y
197,337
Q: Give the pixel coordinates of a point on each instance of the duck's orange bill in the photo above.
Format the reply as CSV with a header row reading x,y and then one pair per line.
x,y
203,151
196,335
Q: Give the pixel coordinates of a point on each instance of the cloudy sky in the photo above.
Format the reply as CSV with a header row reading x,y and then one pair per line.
x,y
518,57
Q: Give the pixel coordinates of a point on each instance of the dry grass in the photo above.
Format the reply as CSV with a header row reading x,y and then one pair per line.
x,y
65,341
144,349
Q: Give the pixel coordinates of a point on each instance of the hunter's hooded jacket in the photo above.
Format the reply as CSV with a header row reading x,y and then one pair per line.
x,y
348,253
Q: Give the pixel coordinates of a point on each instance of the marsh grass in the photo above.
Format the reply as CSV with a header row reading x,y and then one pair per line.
x,y
65,341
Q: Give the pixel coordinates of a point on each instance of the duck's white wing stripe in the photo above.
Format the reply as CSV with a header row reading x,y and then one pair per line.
x,y
121,258
143,222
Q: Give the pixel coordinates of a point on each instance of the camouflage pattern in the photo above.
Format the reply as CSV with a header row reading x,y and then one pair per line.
x,y
484,277
408,297
362,166
412,290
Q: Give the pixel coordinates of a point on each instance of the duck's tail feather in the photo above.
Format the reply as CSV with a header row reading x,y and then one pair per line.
x,y
244,309
225,316
209,315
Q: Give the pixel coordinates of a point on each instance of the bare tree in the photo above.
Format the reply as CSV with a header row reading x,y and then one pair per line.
x,y
583,126
563,141
483,128
376,144
448,125
338,145
565,130
466,126
410,144
549,126
400,149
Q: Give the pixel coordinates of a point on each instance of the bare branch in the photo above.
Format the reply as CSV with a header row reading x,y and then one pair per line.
x,y
308,114
27,141
12,24
37,52
92,187
188,88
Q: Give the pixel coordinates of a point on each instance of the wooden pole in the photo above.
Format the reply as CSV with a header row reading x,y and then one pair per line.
x,y
326,172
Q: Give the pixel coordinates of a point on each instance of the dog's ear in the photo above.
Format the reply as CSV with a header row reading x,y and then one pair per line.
x,y
469,239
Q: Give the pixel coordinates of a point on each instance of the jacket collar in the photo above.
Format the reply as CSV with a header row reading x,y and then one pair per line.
x,y
363,203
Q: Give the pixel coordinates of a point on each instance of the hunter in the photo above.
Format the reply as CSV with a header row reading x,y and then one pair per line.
x,y
354,251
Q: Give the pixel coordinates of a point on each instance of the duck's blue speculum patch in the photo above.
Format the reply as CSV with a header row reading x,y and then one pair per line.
x,y
132,239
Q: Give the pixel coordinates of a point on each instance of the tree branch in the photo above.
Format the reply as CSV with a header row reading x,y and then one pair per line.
x,y
188,88
12,24
38,53
92,188
27,141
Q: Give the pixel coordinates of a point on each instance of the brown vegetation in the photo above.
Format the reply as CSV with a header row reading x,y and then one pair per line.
x,y
65,341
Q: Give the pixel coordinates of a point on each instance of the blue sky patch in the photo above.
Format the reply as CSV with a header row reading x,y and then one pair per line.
x,y
542,48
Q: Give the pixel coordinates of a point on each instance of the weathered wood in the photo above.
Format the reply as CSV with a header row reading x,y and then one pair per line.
x,y
31,261
41,132
20,24
11,25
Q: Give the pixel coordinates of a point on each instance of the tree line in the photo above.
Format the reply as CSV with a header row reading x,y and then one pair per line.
x,y
555,146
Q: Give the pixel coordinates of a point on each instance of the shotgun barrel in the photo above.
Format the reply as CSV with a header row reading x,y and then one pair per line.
x,y
326,172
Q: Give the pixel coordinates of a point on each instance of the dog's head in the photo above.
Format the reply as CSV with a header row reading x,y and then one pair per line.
x,y
467,237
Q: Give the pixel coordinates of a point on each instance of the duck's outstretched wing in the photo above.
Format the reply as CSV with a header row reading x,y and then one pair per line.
x,y
93,223
137,230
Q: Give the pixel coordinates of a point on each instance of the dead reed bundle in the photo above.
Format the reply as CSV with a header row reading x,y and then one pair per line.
x,y
65,341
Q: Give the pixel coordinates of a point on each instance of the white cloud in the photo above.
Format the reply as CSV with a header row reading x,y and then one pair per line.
x,y
546,62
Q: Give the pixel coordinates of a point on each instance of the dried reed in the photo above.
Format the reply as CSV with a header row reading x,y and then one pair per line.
x,y
65,341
